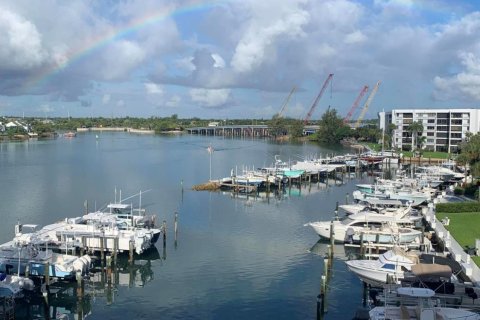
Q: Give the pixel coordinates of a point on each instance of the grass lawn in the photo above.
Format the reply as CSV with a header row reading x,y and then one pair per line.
x,y
477,260
428,154
425,154
464,227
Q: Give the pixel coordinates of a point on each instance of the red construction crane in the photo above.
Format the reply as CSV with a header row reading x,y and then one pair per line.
x,y
312,108
355,104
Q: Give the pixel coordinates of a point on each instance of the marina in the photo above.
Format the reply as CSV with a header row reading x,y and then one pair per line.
x,y
255,228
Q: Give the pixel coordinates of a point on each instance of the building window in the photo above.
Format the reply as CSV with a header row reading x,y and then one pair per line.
x,y
430,140
431,120
456,128
431,114
456,121
430,134
455,141
442,128
442,116
456,115
442,121
442,134
456,135
430,128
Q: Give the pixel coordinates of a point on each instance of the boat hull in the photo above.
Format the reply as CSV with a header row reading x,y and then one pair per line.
x,y
374,277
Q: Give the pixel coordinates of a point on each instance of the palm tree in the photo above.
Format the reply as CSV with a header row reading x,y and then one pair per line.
x,y
391,134
414,128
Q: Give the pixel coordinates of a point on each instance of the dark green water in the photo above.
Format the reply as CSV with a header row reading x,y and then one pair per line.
x,y
235,258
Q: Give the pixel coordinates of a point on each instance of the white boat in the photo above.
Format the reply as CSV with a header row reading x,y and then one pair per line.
x,y
17,258
425,309
119,227
98,231
372,227
415,198
372,204
390,265
14,286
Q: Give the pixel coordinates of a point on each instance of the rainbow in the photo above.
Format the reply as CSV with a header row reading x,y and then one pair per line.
x,y
96,43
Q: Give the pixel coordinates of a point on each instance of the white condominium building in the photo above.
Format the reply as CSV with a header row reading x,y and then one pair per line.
x,y
443,129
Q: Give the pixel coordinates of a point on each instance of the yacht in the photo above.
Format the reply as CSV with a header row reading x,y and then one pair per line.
x,y
368,226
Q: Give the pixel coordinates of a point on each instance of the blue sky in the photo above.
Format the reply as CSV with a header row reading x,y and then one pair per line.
x,y
234,59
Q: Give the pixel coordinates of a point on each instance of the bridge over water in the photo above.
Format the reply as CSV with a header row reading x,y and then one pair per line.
x,y
241,130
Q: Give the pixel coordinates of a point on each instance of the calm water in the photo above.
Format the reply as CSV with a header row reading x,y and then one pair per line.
x,y
235,258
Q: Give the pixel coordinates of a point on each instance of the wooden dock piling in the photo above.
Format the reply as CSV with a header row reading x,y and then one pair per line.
x,y
102,248
130,251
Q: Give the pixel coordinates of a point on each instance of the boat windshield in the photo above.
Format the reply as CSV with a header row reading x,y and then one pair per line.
x,y
388,266
347,221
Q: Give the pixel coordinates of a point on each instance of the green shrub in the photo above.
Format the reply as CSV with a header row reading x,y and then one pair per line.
x,y
471,206
471,189
458,191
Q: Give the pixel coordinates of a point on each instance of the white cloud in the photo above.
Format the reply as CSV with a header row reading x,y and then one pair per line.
x,y
219,62
465,83
355,37
153,88
174,101
121,58
106,98
120,103
20,42
268,22
210,97
185,64
46,108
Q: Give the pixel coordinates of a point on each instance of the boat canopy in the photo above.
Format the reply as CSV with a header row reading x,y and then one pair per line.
x,y
431,270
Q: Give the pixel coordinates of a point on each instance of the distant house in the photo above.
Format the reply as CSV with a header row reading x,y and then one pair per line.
x,y
213,124
18,124
2,127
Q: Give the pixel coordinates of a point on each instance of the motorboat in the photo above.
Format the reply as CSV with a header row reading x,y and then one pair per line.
x,y
70,134
372,204
425,308
412,197
390,266
18,257
14,286
374,227
98,231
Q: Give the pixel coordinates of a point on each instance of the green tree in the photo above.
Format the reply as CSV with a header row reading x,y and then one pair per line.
x,y
277,126
296,128
332,128
414,128
368,133
470,153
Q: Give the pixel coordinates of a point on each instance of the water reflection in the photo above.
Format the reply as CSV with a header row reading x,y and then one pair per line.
x,y
340,251
72,300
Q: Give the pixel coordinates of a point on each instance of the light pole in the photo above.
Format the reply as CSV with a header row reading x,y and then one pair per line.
x,y
210,151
